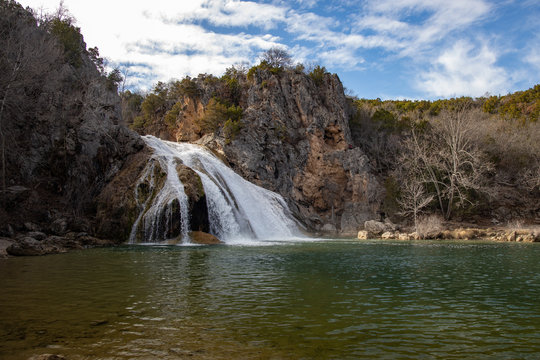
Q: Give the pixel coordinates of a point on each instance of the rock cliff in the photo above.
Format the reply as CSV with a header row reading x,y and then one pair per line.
x,y
294,139
62,136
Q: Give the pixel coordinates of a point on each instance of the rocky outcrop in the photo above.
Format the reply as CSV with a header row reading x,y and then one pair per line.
x,y
63,141
37,243
501,235
295,140
137,184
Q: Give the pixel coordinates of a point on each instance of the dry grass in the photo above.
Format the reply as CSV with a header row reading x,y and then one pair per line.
x,y
429,225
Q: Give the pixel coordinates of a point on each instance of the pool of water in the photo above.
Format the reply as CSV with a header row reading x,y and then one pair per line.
x,y
332,300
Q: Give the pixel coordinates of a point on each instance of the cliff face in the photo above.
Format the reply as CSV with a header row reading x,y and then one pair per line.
x,y
62,139
294,139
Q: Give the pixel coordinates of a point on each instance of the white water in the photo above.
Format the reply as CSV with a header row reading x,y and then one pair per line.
x,y
238,210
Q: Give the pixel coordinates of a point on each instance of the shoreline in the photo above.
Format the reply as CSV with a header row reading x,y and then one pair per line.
x,y
38,244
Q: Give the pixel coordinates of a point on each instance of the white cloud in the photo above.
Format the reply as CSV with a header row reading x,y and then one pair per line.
x,y
231,13
533,56
165,46
418,24
464,70
163,39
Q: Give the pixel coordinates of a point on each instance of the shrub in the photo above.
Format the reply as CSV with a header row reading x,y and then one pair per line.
x,y
263,67
231,128
317,75
189,87
71,39
172,115
429,225
217,114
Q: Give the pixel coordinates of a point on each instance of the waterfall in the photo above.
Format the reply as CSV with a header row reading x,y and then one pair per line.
x,y
237,209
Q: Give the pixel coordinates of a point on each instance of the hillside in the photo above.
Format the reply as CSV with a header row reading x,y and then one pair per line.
x,y
62,138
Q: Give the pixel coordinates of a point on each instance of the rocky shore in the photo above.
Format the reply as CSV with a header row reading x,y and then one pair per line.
x,y
389,231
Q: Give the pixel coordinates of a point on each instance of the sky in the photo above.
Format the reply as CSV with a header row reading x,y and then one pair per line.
x,y
388,49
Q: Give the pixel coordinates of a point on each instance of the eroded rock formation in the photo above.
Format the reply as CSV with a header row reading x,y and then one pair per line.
x,y
295,140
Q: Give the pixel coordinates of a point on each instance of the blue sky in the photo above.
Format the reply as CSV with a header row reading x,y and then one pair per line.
x,y
415,49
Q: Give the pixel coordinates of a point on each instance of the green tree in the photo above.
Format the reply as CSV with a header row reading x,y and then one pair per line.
x,y
71,39
318,74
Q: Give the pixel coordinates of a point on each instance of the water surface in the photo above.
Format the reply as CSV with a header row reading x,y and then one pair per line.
x,y
335,299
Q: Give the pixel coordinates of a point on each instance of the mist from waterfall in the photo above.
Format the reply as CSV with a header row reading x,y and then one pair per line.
x,y
238,211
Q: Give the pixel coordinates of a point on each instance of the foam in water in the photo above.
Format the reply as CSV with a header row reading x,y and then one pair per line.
x,y
238,211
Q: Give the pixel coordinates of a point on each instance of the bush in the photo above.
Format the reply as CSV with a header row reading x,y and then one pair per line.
x,y
71,39
172,115
231,128
217,114
188,87
429,225
317,75
262,68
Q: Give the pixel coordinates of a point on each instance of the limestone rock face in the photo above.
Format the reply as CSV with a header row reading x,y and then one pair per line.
x,y
65,143
296,141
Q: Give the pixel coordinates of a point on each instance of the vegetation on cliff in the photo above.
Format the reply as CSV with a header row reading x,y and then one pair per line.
x,y
462,156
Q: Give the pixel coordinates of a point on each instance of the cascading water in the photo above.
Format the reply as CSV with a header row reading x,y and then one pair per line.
x,y
237,209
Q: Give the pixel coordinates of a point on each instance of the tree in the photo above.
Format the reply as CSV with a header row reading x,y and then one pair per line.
x,y
446,158
317,74
114,78
277,58
26,55
413,199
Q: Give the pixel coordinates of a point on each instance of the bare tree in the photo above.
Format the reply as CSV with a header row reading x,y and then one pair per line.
x,y
413,199
277,57
462,164
447,158
26,54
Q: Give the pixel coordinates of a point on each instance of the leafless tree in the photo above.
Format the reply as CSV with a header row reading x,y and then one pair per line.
x,y
26,54
462,164
277,57
447,158
413,199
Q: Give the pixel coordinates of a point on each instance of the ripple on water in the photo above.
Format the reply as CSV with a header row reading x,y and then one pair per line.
x,y
308,300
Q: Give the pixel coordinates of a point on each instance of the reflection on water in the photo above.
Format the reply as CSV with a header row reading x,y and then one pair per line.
x,y
305,300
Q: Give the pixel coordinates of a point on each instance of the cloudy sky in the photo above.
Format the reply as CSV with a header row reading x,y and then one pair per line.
x,y
380,48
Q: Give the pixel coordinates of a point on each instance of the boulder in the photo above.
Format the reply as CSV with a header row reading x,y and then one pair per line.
x,y
59,226
403,236
511,236
388,235
4,244
377,227
202,238
28,246
364,235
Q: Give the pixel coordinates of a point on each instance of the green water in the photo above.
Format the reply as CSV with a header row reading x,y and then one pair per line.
x,y
325,300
